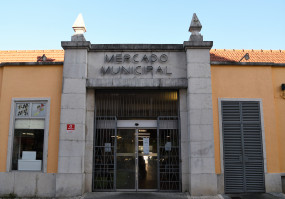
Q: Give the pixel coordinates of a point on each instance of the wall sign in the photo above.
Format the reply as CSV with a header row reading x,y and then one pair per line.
x,y
146,146
137,64
70,128
107,147
168,146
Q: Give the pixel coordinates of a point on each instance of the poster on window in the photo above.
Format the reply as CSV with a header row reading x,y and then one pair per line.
x,y
146,146
108,147
38,110
168,146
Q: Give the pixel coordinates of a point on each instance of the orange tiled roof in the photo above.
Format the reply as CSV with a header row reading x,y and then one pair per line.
x,y
275,56
31,55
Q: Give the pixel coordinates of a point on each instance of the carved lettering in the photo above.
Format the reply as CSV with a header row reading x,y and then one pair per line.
x,y
114,73
109,60
134,58
153,58
159,70
149,69
124,70
119,58
138,70
127,58
147,64
166,72
105,71
145,59
135,70
163,58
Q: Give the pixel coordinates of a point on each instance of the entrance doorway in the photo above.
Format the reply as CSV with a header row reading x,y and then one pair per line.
x,y
136,141
136,155
137,159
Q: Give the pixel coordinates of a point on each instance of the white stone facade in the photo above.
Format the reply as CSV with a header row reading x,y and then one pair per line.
x,y
188,71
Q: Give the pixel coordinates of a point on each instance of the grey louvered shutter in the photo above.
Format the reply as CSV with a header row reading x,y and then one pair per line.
x,y
233,166
253,152
243,155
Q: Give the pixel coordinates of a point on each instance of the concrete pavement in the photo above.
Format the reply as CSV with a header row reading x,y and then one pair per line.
x,y
144,195
165,195
255,196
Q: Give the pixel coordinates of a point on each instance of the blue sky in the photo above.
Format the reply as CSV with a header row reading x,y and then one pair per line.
x,y
243,24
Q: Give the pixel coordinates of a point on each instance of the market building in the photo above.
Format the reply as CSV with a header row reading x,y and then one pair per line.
x,y
141,117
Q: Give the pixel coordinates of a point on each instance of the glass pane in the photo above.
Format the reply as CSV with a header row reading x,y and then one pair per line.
x,y
147,163
126,174
29,124
22,109
38,110
147,172
126,141
28,142
152,145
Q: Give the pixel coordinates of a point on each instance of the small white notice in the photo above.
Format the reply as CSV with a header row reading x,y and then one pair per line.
x,y
108,147
146,146
168,146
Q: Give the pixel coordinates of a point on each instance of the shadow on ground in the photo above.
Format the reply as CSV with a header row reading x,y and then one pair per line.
x,y
255,196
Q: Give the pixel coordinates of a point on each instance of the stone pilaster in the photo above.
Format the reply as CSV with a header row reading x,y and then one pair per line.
x,y
70,179
203,180
73,111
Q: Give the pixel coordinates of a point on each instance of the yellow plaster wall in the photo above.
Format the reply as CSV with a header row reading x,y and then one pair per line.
x,y
31,82
250,82
278,74
1,73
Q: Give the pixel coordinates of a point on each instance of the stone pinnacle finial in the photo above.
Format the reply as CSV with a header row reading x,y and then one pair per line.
x,y
79,29
79,25
195,28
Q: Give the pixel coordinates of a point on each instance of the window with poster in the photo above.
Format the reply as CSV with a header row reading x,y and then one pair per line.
x,y
28,142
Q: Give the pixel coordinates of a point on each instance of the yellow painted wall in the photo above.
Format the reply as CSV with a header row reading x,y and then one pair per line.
x,y
1,72
31,82
278,74
253,82
227,82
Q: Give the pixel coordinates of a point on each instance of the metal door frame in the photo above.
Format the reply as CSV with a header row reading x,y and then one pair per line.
x,y
136,125
143,124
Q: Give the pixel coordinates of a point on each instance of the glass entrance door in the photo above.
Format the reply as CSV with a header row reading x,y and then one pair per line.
x,y
136,159
126,159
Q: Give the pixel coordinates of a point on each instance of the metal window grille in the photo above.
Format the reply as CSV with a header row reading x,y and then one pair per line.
x,y
104,159
169,154
138,104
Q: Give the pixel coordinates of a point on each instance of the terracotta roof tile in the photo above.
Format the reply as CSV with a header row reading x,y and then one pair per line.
x,y
275,56
31,55
219,55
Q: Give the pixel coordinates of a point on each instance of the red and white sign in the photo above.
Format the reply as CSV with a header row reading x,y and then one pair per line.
x,y
70,128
